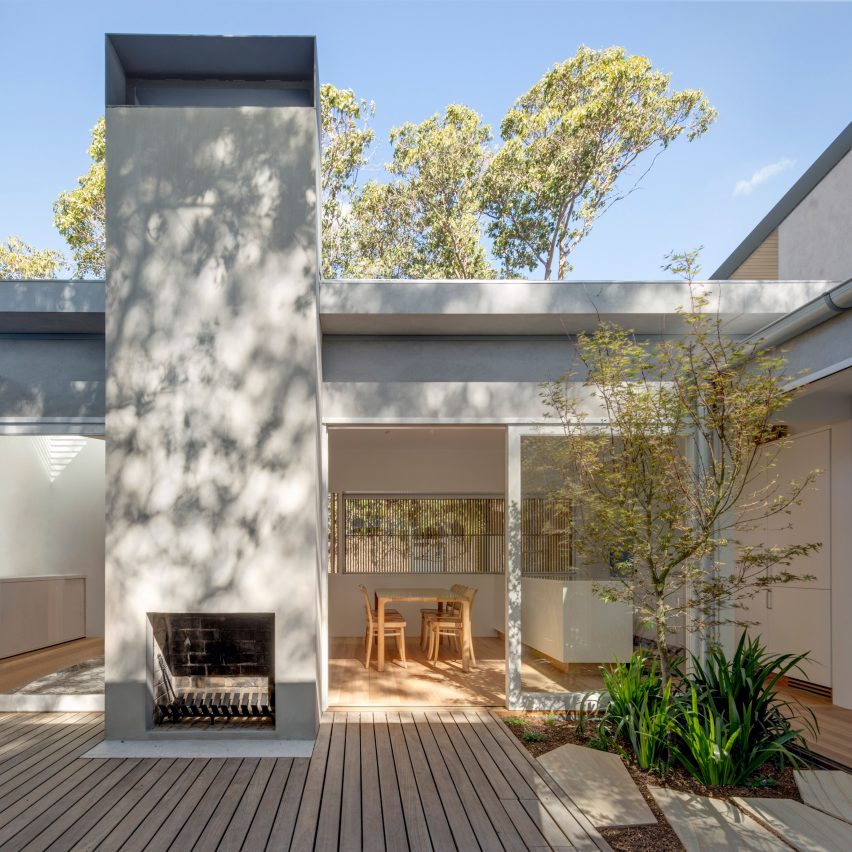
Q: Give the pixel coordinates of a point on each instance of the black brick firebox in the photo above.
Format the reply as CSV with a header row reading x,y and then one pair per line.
x,y
212,667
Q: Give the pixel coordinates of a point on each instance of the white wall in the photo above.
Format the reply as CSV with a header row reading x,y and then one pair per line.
x,y
346,616
813,241
54,527
441,460
841,563
568,621
797,617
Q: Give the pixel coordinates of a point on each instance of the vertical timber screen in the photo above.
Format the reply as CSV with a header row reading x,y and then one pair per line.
x,y
415,535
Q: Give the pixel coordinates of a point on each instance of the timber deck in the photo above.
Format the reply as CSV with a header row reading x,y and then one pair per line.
x,y
376,781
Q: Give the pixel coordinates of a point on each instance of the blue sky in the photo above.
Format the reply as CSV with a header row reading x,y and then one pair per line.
x,y
780,75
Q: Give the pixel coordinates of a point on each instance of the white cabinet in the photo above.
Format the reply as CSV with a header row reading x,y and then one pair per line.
x,y
567,620
36,612
796,617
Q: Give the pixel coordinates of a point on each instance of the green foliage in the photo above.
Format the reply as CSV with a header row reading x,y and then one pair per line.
x,y
745,688
551,719
722,724
566,144
515,721
21,261
721,747
678,469
761,782
346,139
79,214
534,737
640,711
426,222
705,745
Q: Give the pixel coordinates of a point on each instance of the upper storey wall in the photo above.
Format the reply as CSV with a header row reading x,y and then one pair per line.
x,y
814,240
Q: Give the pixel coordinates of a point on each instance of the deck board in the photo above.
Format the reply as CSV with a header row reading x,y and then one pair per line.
x,y
145,818
439,827
376,780
350,807
258,831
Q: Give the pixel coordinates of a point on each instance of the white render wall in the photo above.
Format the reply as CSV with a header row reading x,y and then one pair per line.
x,y
813,241
213,473
54,527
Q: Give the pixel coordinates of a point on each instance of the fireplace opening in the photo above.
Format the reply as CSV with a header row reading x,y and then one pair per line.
x,y
213,669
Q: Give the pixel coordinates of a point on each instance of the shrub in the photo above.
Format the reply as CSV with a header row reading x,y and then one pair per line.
x,y
744,690
534,736
704,744
640,711
721,722
721,748
514,721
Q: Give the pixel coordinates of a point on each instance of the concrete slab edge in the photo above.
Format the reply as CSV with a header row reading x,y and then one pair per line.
x,y
197,748
15,702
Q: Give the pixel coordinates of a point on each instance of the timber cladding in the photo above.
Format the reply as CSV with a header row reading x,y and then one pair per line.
x,y
761,264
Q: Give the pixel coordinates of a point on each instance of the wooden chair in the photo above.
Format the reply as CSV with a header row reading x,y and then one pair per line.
x,y
451,626
428,613
394,626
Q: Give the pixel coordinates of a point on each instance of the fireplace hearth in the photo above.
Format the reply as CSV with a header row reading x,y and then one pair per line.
x,y
210,668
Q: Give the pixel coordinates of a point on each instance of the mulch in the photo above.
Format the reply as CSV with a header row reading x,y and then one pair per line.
x,y
560,729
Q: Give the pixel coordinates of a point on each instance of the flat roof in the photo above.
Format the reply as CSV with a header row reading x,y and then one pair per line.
x,y
797,193
547,307
52,307
356,307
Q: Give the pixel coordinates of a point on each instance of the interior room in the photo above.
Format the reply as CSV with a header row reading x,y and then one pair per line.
x,y
423,508
52,571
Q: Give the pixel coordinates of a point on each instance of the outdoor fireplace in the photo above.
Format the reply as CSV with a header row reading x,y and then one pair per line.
x,y
212,668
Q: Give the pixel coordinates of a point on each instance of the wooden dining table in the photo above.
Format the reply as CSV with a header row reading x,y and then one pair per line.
x,y
415,594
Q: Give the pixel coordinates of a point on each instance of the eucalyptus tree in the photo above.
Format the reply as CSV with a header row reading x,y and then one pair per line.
x,y
567,143
426,221
79,214
18,260
345,144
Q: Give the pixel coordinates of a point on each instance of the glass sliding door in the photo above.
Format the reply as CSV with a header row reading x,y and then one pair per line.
x,y
559,630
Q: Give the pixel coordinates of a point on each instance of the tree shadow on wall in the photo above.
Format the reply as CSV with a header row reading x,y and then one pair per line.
x,y
212,375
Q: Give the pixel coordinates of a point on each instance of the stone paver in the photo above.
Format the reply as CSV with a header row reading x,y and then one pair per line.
x,y
711,825
803,827
826,790
600,785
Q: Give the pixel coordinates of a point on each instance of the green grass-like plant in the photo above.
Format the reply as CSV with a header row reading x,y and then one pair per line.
x,y
705,742
744,689
534,737
514,721
640,711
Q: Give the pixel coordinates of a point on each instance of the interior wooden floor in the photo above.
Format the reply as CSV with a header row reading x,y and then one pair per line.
x,y
834,737
445,684
22,669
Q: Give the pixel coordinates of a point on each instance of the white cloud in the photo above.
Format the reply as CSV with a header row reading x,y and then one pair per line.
x,y
763,174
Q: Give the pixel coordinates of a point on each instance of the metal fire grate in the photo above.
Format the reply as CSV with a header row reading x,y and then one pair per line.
x,y
211,704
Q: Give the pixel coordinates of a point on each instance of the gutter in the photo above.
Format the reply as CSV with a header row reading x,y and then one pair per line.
x,y
835,301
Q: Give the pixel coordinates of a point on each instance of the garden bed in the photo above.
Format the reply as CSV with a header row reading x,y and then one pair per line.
x,y
542,732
